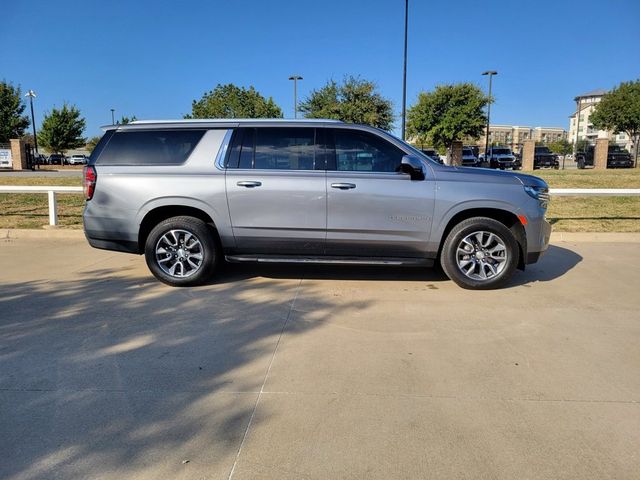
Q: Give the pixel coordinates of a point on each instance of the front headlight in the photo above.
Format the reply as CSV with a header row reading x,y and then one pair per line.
x,y
539,193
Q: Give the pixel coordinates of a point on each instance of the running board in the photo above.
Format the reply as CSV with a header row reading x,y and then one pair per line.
x,y
391,261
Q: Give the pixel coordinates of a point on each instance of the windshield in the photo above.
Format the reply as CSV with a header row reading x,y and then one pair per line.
x,y
501,151
467,151
542,150
616,148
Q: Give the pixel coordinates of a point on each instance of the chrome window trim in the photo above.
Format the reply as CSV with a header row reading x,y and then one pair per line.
x,y
222,152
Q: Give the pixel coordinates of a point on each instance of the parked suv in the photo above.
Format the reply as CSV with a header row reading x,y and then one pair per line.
x,y
469,159
56,159
544,158
189,194
77,159
617,157
501,157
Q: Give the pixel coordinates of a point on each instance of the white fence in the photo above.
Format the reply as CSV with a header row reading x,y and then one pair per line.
x,y
556,192
50,191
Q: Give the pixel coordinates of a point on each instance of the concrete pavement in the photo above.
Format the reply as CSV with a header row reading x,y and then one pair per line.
x,y
315,372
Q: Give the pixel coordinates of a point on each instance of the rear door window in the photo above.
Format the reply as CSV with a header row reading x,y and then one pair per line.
x,y
274,148
151,147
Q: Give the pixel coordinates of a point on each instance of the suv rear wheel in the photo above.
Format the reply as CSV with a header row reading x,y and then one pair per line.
x,y
181,251
480,253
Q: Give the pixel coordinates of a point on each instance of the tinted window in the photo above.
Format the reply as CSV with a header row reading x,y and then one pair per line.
x,y
247,147
362,151
160,147
542,150
501,151
284,148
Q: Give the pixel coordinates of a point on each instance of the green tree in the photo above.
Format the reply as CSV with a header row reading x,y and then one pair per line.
x,y
62,129
619,111
447,114
125,120
354,101
12,121
582,144
230,101
91,143
561,146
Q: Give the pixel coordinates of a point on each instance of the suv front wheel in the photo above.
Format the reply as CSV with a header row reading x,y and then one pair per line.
x,y
181,251
480,253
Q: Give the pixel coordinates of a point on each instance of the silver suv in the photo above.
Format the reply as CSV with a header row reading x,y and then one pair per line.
x,y
189,194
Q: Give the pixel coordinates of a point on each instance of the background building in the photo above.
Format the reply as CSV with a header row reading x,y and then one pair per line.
x,y
581,128
514,135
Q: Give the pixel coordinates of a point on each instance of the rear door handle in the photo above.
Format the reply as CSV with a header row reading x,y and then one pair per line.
x,y
249,183
343,186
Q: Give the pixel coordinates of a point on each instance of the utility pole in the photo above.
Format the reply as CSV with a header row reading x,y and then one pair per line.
x,y
113,119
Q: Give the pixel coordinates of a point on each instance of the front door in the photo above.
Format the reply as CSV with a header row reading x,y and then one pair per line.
x,y
277,198
372,210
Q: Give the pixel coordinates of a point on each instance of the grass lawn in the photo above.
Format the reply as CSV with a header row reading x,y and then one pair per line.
x,y
567,214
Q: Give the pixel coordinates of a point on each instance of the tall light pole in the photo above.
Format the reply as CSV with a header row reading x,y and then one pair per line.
x,y
31,94
579,107
113,119
491,73
404,69
295,79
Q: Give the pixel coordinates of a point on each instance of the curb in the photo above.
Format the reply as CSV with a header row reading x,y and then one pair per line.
x,y
78,234
594,237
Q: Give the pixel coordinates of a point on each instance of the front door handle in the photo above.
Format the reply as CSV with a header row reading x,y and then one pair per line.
x,y
343,186
249,183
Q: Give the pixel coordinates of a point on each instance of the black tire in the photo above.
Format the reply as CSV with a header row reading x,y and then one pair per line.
x,y
199,247
580,164
449,260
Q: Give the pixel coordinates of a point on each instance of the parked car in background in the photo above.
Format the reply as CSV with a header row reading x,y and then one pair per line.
x,y
190,194
469,159
501,157
617,157
430,152
545,158
77,159
56,159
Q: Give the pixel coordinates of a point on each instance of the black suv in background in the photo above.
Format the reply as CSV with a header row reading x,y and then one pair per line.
x,y
430,152
617,157
544,158
56,159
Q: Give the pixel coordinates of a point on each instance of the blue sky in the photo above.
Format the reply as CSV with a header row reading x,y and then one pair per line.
x,y
152,58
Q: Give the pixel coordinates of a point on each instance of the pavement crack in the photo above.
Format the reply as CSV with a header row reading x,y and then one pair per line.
x,y
264,381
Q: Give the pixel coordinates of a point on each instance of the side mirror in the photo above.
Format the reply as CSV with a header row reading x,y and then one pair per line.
x,y
412,166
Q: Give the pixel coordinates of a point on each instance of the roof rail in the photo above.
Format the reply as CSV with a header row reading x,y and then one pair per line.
x,y
237,120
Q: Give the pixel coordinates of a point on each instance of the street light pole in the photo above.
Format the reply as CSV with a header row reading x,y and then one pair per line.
x,y
491,73
404,70
31,94
113,119
295,79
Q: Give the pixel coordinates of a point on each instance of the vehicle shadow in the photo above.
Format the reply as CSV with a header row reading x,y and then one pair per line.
x,y
110,373
233,272
555,263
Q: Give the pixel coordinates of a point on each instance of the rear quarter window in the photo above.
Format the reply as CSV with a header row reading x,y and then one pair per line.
x,y
150,147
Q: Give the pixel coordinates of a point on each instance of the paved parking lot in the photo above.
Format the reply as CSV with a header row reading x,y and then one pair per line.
x,y
294,373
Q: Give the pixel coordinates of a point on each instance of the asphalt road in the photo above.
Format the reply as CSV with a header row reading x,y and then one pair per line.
x,y
319,373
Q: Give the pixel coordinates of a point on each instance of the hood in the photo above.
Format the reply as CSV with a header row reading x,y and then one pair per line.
x,y
486,175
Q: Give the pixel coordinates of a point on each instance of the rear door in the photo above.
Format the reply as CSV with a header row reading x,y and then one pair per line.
x,y
276,190
372,210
